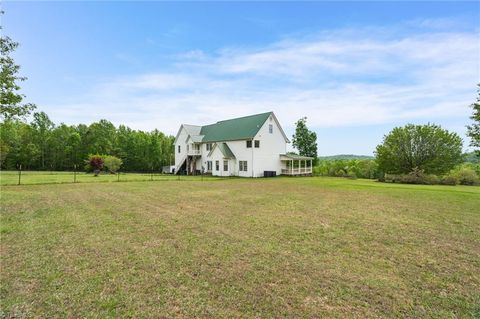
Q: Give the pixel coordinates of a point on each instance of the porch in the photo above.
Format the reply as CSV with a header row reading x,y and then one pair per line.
x,y
296,165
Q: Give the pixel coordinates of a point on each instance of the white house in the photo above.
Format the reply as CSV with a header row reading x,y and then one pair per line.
x,y
250,146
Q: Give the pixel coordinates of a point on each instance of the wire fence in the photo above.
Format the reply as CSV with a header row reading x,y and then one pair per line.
x,y
55,177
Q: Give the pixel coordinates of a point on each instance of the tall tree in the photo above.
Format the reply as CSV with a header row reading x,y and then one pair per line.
x,y
11,101
43,127
304,140
426,147
474,130
43,145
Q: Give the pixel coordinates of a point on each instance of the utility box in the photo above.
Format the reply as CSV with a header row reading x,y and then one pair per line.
x,y
269,173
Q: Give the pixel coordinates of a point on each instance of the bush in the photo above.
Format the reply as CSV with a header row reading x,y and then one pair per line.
x,y
95,164
449,180
467,176
348,168
112,163
416,176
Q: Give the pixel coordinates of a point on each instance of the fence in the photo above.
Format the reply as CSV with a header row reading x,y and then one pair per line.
x,y
60,177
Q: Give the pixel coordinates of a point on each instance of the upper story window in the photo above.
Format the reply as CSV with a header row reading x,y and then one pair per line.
x,y
249,144
270,128
257,143
209,146
179,149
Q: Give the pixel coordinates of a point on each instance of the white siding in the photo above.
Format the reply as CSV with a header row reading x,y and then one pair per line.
x,y
180,141
267,157
264,158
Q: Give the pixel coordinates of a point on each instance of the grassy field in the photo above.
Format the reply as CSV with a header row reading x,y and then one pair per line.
x,y
240,248
39,177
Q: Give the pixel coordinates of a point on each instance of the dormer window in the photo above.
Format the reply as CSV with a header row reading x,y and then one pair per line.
x,y
270,128
249,144
179,148
257,143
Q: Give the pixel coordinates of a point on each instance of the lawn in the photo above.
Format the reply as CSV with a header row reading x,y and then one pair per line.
x,y
48,177
240,248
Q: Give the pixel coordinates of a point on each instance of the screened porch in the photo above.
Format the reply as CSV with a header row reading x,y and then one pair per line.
x,y
296,165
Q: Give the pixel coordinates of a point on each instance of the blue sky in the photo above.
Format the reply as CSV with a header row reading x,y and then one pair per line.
x,y
355,69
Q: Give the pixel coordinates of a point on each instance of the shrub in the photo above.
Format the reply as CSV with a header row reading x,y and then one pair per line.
x,y
416,176
95,164
112,163
432,179
467,176
449,180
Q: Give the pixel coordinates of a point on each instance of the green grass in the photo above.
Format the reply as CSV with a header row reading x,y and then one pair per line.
x,y
49,177
240,248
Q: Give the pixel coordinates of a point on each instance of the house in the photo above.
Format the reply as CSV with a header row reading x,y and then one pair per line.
x,y
250,146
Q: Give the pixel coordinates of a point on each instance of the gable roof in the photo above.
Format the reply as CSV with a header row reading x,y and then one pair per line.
x,y
241,128
226,151
192,129
223,147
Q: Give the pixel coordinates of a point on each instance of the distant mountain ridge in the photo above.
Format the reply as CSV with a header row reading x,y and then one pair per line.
x,y
345,157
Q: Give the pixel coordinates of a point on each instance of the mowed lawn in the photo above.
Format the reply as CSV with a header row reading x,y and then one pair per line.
x,y
240,248
49,177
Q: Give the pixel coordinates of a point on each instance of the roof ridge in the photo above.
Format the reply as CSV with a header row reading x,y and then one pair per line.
x,y
242,117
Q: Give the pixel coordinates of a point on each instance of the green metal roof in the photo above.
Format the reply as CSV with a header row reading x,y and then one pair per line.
x,y
226,151
223,147
235,129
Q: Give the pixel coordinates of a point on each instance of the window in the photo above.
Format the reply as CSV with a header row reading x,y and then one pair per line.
x,y
257,144
209,146
270,128
243,166
209,166
179,148
249,144
225,166
217,165
187,147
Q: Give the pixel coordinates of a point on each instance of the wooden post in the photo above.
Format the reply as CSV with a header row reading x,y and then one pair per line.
x,y
118,176
74,173
19,174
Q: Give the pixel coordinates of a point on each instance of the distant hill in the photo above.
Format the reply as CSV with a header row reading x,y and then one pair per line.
x,y
344,157
471,157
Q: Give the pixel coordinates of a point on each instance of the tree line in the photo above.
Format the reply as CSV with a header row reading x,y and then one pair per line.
x,y
43,145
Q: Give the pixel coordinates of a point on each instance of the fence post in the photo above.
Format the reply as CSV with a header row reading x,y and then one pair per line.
x,y
20,174
118,176
75,173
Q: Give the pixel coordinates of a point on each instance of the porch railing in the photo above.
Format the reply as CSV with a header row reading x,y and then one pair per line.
x,y
193,152
296,171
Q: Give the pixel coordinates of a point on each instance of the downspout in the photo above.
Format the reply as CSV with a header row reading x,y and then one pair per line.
x,y
252,157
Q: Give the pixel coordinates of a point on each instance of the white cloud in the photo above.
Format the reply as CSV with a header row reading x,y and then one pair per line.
x,y
336,78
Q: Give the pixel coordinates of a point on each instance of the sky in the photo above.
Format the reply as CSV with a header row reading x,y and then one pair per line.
x,y
354,69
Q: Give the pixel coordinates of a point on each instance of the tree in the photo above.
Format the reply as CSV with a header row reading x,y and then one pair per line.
x,y
11,105
43,126
304,140
423,147
473,131
112,163
95,163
